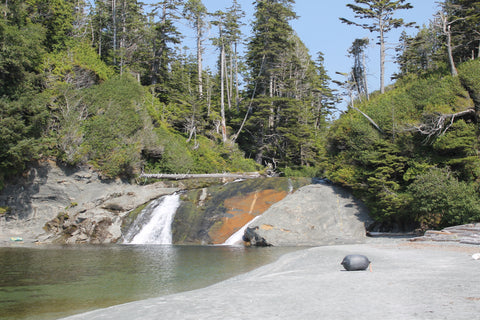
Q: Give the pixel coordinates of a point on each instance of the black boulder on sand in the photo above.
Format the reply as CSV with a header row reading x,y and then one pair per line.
x,y
355,262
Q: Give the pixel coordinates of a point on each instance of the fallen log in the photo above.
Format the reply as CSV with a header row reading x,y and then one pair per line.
x,y
182,176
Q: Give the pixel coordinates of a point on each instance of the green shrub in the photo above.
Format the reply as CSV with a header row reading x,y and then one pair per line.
x,y
112,139
439,199
469,75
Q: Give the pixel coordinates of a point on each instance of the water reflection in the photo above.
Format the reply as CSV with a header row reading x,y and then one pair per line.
x,y
51,282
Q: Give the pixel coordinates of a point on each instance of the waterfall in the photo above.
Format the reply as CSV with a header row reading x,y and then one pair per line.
x,y
154,224
237,237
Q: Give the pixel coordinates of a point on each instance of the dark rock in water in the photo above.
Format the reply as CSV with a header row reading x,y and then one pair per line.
x,y
355,262
253,239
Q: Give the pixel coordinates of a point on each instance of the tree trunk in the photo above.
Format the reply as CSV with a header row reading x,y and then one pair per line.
x,y
271,118
365,76
228,81
446,29
382,59
123,37
237,96
114,22
448,32
199,58
222,91
369,119
478,50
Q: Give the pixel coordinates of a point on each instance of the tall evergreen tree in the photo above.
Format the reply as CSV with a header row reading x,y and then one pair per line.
x,y
233,38
381,12
22,47
164,34
220,43
289,91
57,16
270,40
465,18
420,53
117,28
196,12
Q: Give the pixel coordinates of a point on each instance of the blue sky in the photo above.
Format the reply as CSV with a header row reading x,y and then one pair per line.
x,y
320,29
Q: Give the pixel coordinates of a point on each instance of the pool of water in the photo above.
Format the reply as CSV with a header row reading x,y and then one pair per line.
x,y
53,282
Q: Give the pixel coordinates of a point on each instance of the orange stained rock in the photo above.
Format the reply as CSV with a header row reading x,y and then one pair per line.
x,y
266,227
241,210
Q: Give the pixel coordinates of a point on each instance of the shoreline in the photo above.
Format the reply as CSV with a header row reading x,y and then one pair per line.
x,y
410,280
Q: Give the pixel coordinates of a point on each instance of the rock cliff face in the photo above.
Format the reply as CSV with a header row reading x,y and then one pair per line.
x,y
319,214
74,205
55,204
63,205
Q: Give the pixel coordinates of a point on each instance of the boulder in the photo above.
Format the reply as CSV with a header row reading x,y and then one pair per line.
x,y
319,214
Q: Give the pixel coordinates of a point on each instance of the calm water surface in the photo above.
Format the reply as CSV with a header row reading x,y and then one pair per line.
x,y
53,282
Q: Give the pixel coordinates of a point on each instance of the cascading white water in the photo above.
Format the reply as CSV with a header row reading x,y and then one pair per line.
x,y
237,237
158,230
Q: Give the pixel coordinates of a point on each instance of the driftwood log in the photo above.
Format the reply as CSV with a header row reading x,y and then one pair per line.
x,y
182,176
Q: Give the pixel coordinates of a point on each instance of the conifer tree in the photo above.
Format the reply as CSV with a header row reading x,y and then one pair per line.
x,y
420,53
233,37
117,30
271,38
464,18
289,90
163,34
196,12
381,13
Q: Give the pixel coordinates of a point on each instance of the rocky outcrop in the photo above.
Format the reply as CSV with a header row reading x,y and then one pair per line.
x,y
52,203
211,215
320,214
467,234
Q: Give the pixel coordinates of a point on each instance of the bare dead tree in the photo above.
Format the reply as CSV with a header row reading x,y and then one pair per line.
x,y
444,22
437,124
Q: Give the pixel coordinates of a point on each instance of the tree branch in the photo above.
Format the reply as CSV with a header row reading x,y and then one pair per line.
x,y
437,124
369,119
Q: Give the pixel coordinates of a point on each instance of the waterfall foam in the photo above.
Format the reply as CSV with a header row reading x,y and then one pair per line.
x,y
158,230
237,237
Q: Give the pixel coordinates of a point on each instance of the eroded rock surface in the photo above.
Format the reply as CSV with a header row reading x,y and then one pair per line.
x,y
467,233
211,215
56,204
319,214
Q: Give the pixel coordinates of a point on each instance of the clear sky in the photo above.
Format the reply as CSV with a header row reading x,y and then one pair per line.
x,y
320,29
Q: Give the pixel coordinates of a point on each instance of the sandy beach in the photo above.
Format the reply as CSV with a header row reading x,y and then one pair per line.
x,y
409,280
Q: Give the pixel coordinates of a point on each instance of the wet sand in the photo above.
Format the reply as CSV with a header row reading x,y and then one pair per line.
x,y
410,280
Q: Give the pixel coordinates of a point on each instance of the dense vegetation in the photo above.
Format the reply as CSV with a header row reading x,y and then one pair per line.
x,y
110,84
412,153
